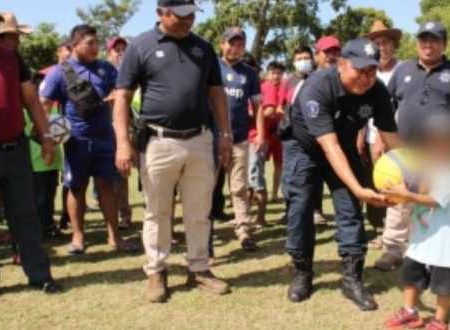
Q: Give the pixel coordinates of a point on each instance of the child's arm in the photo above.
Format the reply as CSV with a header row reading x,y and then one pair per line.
x,y
401,191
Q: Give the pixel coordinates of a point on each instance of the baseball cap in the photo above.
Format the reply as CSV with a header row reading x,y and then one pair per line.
x,y
180,8
111,43
234,32
327,42
434,28
361,52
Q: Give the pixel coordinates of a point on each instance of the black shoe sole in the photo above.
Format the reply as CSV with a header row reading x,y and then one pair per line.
x,y
360,306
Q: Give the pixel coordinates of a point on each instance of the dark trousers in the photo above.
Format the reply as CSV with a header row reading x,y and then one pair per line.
x,y
16,188
45,185
318,196
302,173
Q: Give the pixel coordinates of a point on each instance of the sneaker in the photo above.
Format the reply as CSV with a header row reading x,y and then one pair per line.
x,y
388,262
436,325
404,319
319,219
207,282
157,291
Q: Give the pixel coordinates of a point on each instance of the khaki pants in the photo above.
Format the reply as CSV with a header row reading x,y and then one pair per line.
x,y
396,230
188,164
238,187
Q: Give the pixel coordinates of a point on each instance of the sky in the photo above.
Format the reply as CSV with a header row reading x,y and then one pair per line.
x,y
62,13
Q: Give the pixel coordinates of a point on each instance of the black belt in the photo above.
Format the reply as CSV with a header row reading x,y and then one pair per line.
x,y
11,145
175,134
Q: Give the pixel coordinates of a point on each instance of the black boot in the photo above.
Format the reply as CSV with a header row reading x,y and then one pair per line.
x,y
301,287
352,284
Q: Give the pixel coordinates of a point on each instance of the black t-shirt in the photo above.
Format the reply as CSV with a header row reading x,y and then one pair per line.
x,y
174,77
323,106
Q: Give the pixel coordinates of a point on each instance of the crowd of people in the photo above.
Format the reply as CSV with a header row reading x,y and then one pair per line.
x,y
191,120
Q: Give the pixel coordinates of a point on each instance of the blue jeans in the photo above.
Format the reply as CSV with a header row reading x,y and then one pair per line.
x,y
302,173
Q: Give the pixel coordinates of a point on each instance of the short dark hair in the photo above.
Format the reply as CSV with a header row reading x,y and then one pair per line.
x,y
274,65
81,31
303,49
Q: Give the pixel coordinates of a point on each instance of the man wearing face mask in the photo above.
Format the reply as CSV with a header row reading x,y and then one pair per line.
x,y
304,65
330,109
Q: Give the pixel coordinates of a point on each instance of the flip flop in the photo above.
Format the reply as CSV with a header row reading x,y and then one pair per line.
x,y
75,250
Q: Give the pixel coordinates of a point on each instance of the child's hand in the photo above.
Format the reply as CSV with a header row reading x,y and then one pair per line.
x,y
397,191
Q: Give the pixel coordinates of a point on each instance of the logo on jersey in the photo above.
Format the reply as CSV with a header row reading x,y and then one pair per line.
x,y
365,111
408,79
160,54
243,79
237,93
312,109
101,72
197,52
445,77
230,77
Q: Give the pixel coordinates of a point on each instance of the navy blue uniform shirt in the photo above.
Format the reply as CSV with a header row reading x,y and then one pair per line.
x,y
174,77
241,86
415,92
323,106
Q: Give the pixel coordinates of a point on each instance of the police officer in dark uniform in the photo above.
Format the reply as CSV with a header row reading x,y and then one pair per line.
x,y
326,116
422,84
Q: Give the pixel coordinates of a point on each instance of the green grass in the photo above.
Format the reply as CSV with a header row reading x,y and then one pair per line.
x,y
105,290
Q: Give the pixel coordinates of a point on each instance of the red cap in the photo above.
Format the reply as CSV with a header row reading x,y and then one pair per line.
x,y
327,42
111,43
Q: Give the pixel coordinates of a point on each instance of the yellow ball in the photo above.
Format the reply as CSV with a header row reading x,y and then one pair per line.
x,y
394,168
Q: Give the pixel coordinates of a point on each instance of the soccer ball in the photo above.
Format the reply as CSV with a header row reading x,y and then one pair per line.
x,y
59,128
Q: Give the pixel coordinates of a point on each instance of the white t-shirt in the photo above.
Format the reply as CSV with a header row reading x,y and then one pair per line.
x,y
385,77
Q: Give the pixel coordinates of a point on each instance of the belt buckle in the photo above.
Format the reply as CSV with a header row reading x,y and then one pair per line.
x,y
8,146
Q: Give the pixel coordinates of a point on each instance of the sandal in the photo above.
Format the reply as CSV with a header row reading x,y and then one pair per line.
x,y
74,249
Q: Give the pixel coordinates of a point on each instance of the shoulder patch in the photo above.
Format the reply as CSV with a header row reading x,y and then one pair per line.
x,y
312,109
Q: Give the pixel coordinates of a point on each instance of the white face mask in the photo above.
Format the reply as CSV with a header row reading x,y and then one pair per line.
x,y
303,66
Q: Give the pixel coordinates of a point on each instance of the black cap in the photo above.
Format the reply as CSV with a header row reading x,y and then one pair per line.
x,y
433,28
180,8
361,52
234,32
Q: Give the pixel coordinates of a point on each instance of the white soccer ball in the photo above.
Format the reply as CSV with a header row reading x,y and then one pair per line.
x,y
59,128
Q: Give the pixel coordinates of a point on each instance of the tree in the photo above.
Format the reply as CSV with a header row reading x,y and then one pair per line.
x,y
427,5
356,22
407,49
109,17
279,25
39,48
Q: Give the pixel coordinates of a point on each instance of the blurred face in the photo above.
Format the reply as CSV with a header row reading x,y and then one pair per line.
x,y
63,53
328,57
387,48
87,48
356,81
115,55
275,76
176,26
430,49
10,41
233,50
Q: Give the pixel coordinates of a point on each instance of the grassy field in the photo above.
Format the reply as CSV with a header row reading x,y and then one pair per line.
x,y
105,290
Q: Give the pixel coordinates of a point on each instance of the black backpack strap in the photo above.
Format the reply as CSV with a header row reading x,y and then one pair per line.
x,y
70,75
